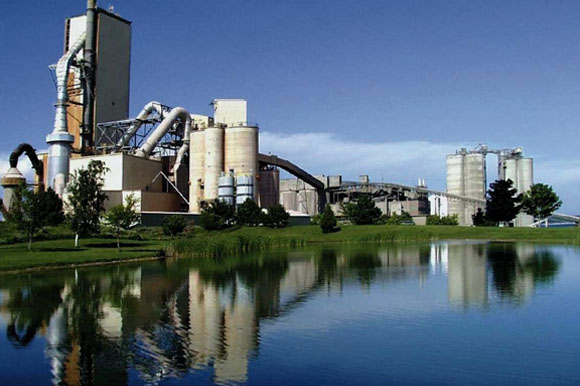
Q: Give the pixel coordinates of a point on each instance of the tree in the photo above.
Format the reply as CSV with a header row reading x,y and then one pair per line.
x,y
174,225
502,203
277,217
363,211
540,201
32,211
122,216
249,213
443,220
217,215
328,220
400,219
86,199
479,219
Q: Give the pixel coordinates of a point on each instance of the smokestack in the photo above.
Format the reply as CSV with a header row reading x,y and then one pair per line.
x,y
90,63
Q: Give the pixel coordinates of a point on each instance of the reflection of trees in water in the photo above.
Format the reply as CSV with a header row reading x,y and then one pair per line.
x,y
517,268
30,309
365,263
156,331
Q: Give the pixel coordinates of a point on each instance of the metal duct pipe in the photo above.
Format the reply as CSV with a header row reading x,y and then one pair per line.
x,y
36,163
183,149
59,140
89,70
143,115
176,113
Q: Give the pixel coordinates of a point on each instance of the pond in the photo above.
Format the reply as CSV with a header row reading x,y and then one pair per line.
x,y
441,313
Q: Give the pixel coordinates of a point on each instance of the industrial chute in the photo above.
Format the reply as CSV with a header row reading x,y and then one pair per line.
x,y
60,139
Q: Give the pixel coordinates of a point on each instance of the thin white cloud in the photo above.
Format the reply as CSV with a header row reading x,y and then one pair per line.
x,y
402,162
324,153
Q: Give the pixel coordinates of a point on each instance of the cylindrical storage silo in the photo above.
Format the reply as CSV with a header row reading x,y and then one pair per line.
x,y
214,161
226,189
196,169
525,181
241,151
455,185
511,171
474,172
244,188
525,174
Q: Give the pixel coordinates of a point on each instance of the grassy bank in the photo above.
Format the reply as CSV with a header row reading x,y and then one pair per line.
x,y
147,243
254,239
53,253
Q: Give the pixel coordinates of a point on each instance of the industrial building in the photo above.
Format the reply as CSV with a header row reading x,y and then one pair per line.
x,y
467,179
176,160
173,160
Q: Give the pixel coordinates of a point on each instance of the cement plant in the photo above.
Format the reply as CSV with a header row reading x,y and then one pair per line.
x,y
175,160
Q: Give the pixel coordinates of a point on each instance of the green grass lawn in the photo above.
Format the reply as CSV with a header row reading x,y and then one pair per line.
x,y
63,252
242,240
148,242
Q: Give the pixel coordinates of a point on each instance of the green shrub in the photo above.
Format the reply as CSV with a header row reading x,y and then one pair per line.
x,y
173,225
400,219
443,220
328,220
480,219
217,215
249,213
315,220
363,211
277,217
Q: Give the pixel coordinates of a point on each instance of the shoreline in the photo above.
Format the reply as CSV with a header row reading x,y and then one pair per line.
x,y
236,242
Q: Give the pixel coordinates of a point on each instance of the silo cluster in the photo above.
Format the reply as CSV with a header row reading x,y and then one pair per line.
x,y
520,170
219,157
465,178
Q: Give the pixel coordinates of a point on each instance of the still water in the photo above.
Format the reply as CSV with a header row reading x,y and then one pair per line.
x,y
442,313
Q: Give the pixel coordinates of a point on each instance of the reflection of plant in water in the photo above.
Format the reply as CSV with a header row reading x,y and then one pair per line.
x,y
365,264
544,266
510,268
327,265
30,308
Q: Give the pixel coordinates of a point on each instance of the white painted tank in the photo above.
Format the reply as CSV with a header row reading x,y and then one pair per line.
x,y
214,161
196,169
525,174
226,189
241,151
511,170
474,172
455,185
244,188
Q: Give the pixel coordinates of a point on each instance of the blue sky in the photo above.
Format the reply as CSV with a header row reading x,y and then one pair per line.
x,y
385,88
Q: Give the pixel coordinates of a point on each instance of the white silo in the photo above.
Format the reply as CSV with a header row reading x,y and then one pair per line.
x,y
226,189
510,170
474,176
525,174
241,151
474,185
196,169
524,182
244,188
214,161
456,184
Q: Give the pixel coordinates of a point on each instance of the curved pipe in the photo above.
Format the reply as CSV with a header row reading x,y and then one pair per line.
x,y
176,113
36,163
143,115
184,147
62,71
